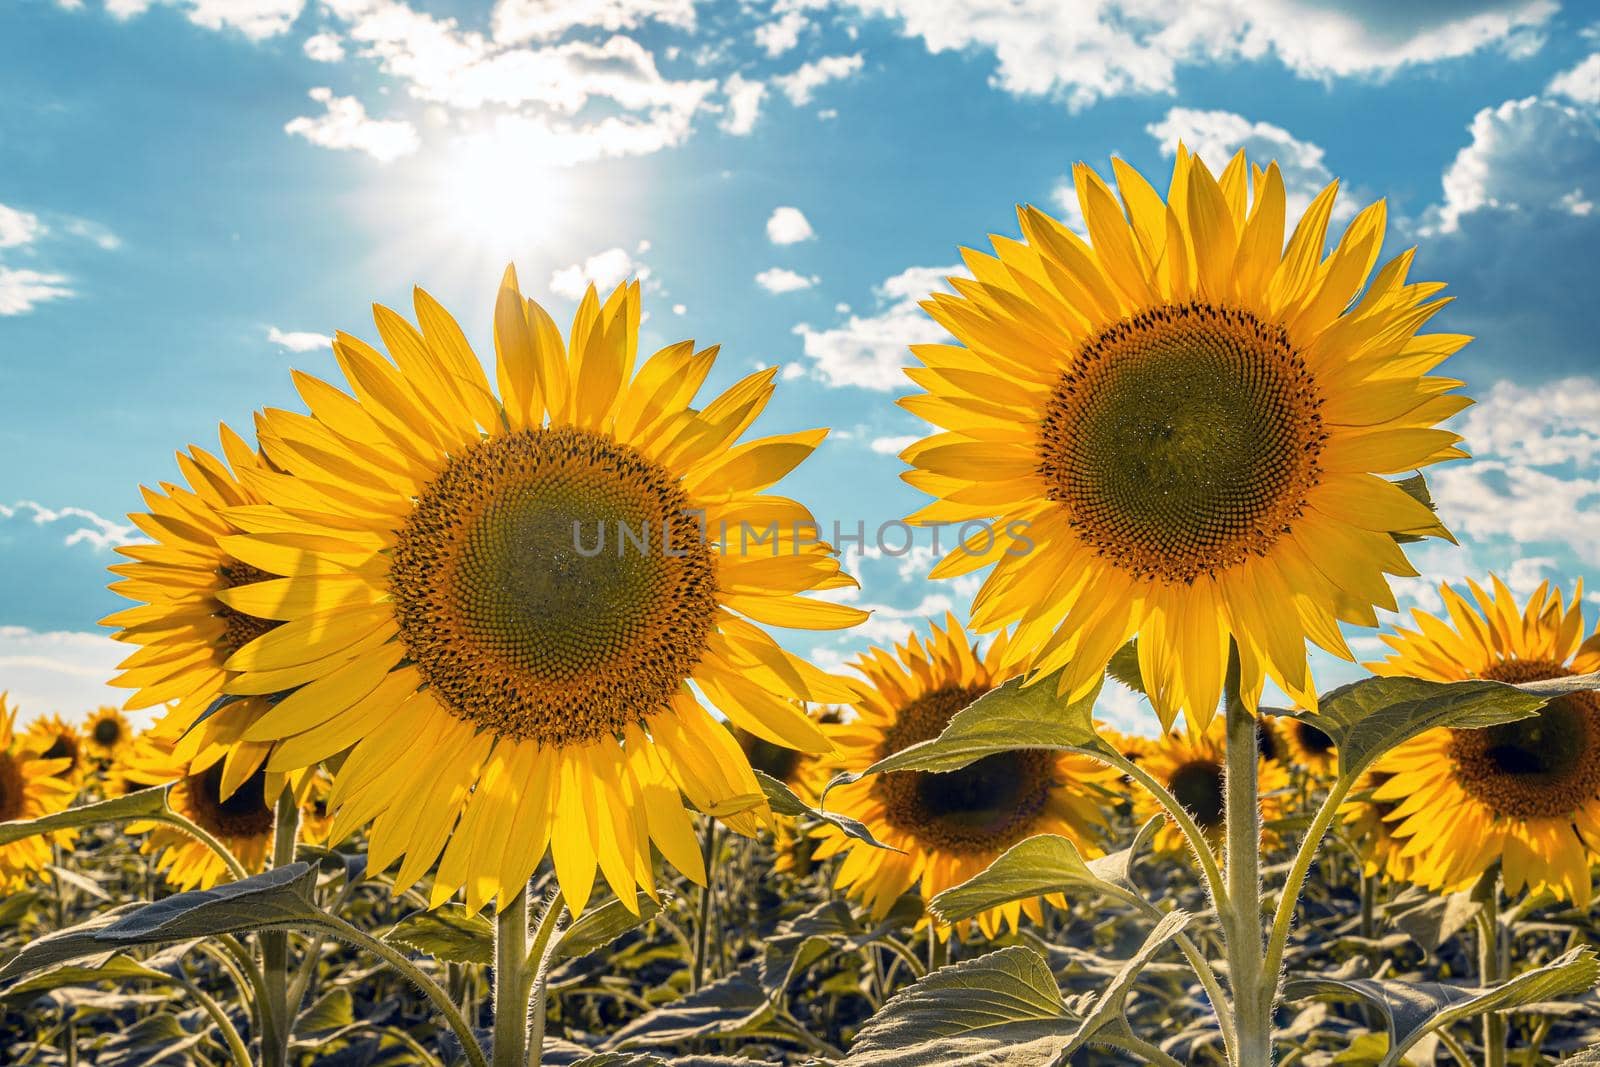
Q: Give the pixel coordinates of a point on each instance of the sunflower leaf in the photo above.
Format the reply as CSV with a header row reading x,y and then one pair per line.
x,y
1372,716
1412,1010
1001,1000
115,967
732,1006
277,898
598,927
63,946
1038,866
1012,717
1416,487
1106,1008
783,801
451,933
139,805
1124,666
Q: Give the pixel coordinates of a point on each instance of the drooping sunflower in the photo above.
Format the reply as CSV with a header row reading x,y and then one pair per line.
x,y
497,603
1191,764
184,631
1309,747
1178,430
30,786
1526,793
948,826
106,733
53,738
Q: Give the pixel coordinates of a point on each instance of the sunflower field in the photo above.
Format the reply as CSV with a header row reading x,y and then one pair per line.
x,y
471,739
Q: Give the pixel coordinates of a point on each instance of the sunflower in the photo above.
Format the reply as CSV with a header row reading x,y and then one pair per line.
x,y
498,603
805,774
1179,432
54,738
1309,747
106,733
1525,793
1271,743
1191,764
1367,822
184,631
31,785
948,826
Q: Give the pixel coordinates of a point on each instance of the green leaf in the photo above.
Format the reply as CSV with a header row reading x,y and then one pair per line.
x,y
1416,487
1006,719
805,939
16,906
450,933
144,803
598,927
1587,1056
277,898
729,1007
1124,666
973,1008
1372,716
334,1010
115,968
783,801
62,946
1428,919
81,883
1411,1010
1106,1008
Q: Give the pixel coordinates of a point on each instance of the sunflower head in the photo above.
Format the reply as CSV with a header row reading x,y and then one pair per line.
x,y
1192,765
106,733
948,826
1368,821
1524,793
31,785
1308,747
54,738
505,602
1183,426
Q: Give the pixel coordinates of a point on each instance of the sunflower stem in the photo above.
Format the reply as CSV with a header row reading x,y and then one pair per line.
x,y
708,845
1253,988
544,932
1491,964
275,943
511,983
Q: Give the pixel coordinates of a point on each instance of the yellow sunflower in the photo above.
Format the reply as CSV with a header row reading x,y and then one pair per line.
x,y
106,733
498,603
1309,747
1367,822
948,826
804,773
1179,430
54,738
1272,744
31,785
184,631
1526,793
1191,764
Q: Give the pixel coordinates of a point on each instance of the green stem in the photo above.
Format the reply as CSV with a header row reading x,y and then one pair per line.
x,y
1283,917
539,964
511,980
703,928
235,868
1177,812
236,1047
275,943
1253,989
1491,969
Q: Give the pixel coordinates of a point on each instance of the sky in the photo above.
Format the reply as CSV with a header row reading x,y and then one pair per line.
x,y
195,194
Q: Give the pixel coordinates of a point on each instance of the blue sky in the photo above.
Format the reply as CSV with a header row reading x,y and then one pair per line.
x,y
194,193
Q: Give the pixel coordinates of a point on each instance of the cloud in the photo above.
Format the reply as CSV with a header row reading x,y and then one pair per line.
x,y
81,526
99,235
18,227
23,290
783,280
605,270
58,671
788,225
515,21
1084,51
298,340
1216,135
1581,84
743,107
256,19
868,351
893,446
324,48
804,81
347,126
1525,156
781,34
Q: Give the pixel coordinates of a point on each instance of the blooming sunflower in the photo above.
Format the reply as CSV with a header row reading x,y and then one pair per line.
x,y
1192,764
106,733
1525,793
54,738
1309,747
805,774
497,603
31,785
1367,820
184,631
1181,428
948,826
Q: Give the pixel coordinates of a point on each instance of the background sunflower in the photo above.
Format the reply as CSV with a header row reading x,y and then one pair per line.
x,y
106,732
30,786
1191,764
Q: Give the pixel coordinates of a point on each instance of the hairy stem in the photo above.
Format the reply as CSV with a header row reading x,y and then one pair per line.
x,y
275,943
1253,988
511,983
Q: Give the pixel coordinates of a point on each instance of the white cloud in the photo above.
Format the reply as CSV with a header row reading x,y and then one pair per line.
x,y
1525,155
256,19
515,21
23,290
605,270
791,371
18,227
804,81
1065,198
893,446
781,34
784,280
1581,84
1216,135
678,309
1084,51
82,526
298,340
58,671
743,108
324,48
101,236
346,125
788,225
869,351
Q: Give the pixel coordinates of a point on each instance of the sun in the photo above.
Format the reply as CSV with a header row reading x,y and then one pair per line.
x,y
501,195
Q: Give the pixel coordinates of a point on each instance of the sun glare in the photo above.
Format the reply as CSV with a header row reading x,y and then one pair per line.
x,y
500,195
